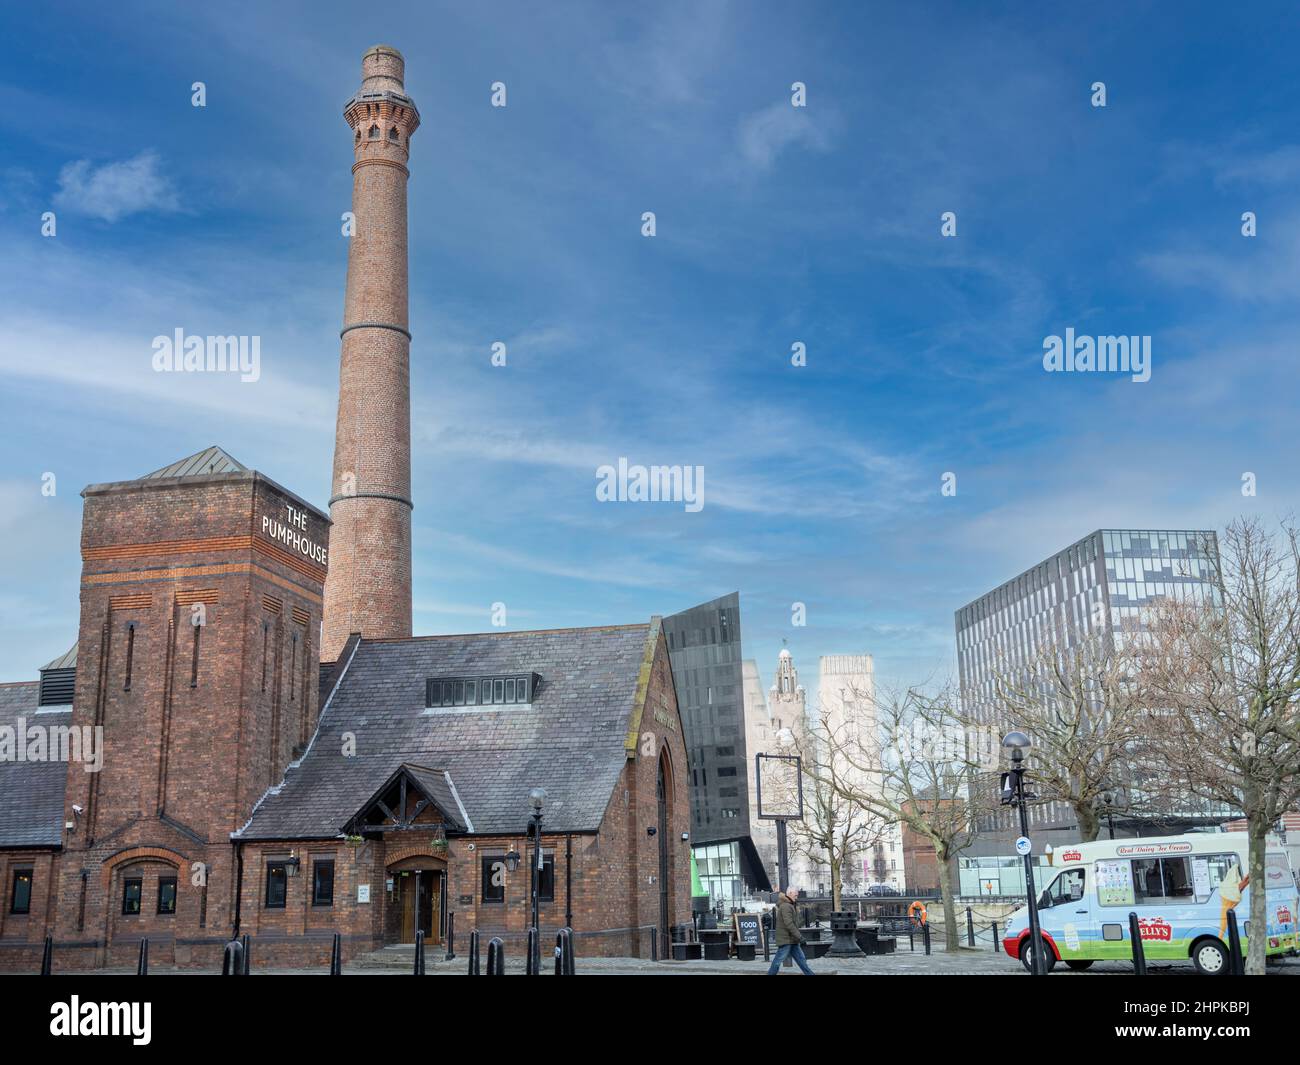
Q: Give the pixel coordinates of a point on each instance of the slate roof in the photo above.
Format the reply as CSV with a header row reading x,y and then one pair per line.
x,y
210,460
570,740
31,793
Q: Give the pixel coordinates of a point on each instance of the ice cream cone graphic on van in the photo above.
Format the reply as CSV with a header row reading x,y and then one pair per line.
x,y
1230,889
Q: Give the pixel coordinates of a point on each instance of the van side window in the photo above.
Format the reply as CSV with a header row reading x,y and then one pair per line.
x,y
1159,880
1068,887
1217,869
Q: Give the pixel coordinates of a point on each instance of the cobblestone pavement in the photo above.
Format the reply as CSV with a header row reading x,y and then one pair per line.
x,y
396,961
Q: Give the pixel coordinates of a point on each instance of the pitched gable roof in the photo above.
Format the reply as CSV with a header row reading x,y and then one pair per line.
x,y
435,787
571,739
210,460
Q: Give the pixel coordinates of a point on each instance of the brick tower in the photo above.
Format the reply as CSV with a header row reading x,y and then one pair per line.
x,y
368,589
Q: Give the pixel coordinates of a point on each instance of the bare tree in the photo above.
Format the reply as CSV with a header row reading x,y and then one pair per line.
x,y
835,828
1081,699
919,770
1223,675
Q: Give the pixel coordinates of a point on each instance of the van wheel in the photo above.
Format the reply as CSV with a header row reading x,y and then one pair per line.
x,y
1027,956
1079,964
1210,957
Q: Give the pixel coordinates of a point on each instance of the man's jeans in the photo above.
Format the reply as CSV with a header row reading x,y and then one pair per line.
x,y
793,950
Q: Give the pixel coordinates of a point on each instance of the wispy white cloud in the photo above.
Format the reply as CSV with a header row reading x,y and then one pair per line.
x,y
765,134
115,190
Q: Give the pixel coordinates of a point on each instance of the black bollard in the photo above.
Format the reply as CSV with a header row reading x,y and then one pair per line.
x,y
473,953
496,957
654,944
925,935
911,937
534,956
994,925
232,959
142,963
564,952
419,953
1236,967
451,937
47,957
570,953
970,927
1135,942
336,956
247,941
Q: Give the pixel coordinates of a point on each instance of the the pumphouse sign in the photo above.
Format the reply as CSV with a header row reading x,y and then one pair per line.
x,y
290,528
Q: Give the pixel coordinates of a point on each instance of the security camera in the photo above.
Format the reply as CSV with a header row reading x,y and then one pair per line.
x,y
76,809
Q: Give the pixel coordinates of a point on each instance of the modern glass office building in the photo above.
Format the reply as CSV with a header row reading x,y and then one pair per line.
x,y
704,648
1099,584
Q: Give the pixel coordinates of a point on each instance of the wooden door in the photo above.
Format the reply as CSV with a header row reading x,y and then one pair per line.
x,y
406,889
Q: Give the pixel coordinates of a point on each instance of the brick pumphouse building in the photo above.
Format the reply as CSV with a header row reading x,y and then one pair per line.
x,y
273,754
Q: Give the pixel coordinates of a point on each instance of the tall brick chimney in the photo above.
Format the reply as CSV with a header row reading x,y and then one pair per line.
x,y
368,588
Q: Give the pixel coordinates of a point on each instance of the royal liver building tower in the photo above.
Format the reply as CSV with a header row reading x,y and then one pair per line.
x,y
368,589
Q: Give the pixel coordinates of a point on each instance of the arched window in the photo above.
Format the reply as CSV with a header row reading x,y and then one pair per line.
x,y
392,134
358,137
374,133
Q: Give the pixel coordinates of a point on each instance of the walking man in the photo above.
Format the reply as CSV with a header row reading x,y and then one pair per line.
x,y
789,941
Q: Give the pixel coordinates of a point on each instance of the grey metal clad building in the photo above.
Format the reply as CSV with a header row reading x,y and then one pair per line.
x,y
1100,583
704,647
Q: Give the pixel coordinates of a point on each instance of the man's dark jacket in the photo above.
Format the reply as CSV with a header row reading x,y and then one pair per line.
x,y
787,922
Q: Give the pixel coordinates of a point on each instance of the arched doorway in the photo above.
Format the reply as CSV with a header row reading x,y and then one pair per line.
x,y
417,899
664,793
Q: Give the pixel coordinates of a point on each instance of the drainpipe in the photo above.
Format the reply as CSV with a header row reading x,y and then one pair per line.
x,y
568,880
239,883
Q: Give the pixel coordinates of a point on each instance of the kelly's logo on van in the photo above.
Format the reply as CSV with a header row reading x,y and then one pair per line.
x,y
1155,928
1072,856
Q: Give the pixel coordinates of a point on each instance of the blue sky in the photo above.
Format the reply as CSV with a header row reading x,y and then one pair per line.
x,y
775,225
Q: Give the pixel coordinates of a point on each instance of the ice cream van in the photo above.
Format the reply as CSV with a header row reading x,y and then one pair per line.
x,y
1181,888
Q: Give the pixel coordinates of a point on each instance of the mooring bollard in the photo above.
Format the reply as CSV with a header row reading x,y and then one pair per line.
x,y
142,963
1236,967
1135,942
925,935
451,937
336,956
247,942
994,925
970,927
47,957
531,963
564,952
419,953
496,957
473,953
232,960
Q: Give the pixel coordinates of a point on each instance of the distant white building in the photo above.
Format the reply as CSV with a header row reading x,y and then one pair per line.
x,y
846,700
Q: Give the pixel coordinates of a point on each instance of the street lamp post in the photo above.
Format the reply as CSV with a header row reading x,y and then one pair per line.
x,y
1017,742
1109,800
537,798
